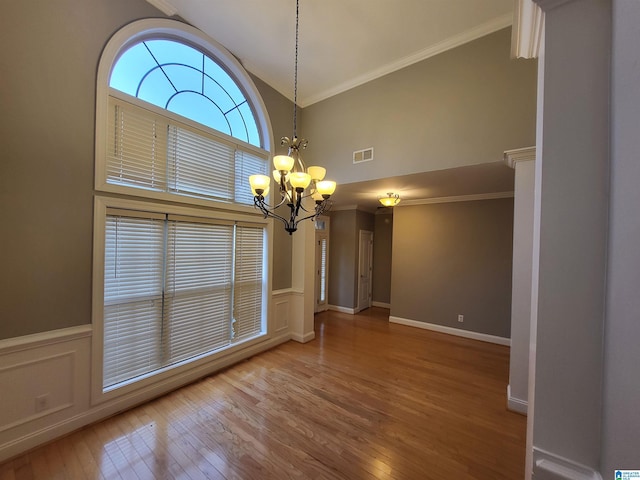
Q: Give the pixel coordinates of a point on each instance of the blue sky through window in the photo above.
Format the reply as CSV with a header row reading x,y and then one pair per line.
x,y
183,80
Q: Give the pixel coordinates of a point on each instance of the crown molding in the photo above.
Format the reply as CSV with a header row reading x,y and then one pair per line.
x,y
511,157
164,6
459,198
528,27
547,5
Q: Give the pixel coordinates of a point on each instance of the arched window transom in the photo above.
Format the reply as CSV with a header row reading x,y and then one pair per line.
x,y
185,81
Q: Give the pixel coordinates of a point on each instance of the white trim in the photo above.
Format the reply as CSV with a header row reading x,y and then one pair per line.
x,y
528,25
516,404
28,342
164,6
512,157
483,337
381,304
459,198
549,4
491,26
554,467
285,291
336,308
303,338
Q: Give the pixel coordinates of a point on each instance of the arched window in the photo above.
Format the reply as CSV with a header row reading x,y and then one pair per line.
x,y
184,80
179,127
182,117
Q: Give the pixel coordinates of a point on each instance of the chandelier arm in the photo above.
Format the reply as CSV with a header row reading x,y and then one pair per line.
x,y
320,208
269,213
262,205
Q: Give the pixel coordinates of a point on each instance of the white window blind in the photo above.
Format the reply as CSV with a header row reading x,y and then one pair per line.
x,y
136,148
198,290
248,283
134,258
149,151
200,165
247,163
170,284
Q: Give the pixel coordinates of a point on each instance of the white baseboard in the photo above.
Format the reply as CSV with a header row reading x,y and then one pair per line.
x,y
483,337
516,404
303,338
381,304
549,466
336,308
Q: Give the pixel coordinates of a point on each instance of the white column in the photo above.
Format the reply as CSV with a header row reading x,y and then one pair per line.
x,y
303,282
568,300
523,161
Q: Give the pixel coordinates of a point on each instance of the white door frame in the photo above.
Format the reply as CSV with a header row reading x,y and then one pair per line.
x,y
365,262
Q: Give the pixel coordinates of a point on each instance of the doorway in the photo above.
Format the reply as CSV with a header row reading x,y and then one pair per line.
x,y
365,269
322,265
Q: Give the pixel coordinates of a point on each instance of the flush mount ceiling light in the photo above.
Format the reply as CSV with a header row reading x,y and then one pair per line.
x,y
389,200
295,181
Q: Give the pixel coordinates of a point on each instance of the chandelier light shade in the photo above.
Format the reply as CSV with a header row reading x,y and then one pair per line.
x,y
295,181
390,199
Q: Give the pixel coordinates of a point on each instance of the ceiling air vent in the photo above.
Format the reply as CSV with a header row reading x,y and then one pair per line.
x,y
365,155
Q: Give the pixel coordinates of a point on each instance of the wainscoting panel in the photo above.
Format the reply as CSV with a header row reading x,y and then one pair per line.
x,y
44,380
27,399
281,302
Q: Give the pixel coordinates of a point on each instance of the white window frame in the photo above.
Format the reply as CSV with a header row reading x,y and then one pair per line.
x,y
108,196
171,29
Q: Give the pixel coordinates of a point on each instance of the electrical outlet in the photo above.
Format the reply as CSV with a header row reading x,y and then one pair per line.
x,y
42,402
461,318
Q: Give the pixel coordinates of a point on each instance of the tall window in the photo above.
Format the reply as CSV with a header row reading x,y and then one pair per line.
x,y
177,120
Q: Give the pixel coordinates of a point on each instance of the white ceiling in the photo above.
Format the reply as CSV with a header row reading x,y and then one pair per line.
x,y
345,43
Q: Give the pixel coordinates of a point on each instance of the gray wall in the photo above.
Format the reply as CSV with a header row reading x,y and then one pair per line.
x,y
47,92
343,257
382,242
454,258
281,115
462,107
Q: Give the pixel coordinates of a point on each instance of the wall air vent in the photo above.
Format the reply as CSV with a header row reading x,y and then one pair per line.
x,y
365,155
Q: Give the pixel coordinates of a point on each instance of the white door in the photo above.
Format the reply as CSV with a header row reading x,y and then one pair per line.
x,y
365,269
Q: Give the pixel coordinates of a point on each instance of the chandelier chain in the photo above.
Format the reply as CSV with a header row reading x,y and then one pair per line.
x,y
295,75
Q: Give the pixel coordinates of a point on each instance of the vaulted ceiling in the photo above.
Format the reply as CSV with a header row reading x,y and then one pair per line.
x,y
345,43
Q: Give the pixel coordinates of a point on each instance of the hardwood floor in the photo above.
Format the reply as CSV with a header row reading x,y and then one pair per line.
x,y
365,400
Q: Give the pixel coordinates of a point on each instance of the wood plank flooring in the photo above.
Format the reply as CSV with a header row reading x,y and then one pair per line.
x,y
365,400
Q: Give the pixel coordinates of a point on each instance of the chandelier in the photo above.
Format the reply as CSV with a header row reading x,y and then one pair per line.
x,y
295,181
390,199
